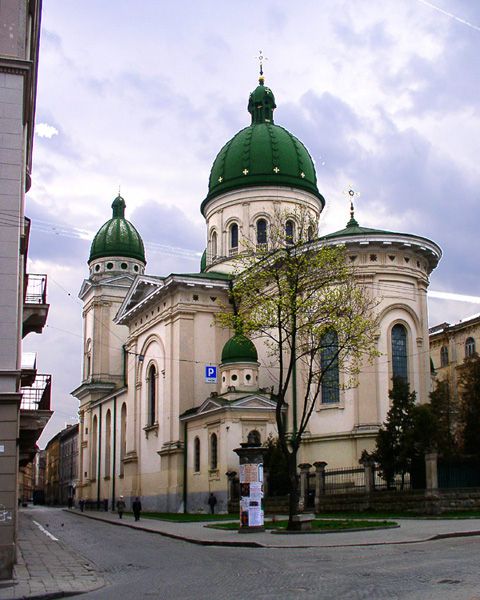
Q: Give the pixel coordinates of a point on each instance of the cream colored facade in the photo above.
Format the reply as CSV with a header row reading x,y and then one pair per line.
x,y
160,333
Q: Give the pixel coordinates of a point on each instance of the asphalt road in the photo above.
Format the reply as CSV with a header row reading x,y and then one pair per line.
x,y
145,565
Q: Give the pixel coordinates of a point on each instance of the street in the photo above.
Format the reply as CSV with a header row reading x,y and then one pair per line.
x,y
144,565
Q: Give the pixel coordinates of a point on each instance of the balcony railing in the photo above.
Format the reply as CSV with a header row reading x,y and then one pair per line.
x,y
35,289
37,396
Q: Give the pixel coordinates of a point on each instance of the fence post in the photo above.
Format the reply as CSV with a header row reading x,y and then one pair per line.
x,y
432,497
266,476
368,466
431,472
319,482
304,470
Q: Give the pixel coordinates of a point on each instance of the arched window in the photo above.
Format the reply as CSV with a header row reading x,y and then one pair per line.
x,y
152,395
108,447
93,469
213,451
310,233
233,238
196,455
88,359
399,352
254,437
469,347
289,231
213,245
261,232
123,436
329,365
443,356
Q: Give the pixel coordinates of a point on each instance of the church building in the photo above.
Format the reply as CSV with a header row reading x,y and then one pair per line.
x,y
155,422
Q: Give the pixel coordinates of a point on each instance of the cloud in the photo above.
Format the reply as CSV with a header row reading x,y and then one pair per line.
x,y
44,130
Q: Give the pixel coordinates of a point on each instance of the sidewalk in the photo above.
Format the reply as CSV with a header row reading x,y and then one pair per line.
x,y
410,531
46,568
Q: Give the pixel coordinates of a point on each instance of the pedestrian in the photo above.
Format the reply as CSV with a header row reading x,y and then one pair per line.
x,y
137,508
70,502
212,501
120,506
81,504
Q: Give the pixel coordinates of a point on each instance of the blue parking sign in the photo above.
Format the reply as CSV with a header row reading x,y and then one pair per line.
x,y
210,374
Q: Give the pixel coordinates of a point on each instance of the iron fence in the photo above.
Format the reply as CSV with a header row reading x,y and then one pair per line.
x,y
37,396
345,480
36,289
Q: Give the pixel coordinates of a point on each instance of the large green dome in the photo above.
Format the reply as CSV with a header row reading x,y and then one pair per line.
x,y
118,237
239,349
262,154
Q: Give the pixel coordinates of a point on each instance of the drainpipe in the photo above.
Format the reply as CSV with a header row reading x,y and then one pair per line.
x,y
114,449
185,467
99,454
124,366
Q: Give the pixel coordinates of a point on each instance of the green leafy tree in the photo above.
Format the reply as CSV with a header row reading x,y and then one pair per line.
x,y
445,411
405,435
469,425
293,293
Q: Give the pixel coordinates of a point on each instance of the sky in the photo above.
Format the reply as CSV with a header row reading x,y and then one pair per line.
x,y
142,96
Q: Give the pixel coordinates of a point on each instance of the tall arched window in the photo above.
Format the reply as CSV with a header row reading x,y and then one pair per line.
x,y
310,233
88,359
94,438
261,232
444,356
196,455
399,352
213,246
108,438
469,347
289,231
123,436
152,395
329,364
233,238
213,451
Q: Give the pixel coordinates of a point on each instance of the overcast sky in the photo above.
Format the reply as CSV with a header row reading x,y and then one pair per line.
x,y
384,94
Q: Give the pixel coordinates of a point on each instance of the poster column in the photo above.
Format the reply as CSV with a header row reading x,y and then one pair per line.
x,y
251,487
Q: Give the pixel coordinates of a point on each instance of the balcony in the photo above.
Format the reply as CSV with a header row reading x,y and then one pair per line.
x,y
35,307
34,415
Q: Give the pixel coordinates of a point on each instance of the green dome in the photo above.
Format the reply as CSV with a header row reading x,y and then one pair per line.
x,y
117,237
239,349
262,154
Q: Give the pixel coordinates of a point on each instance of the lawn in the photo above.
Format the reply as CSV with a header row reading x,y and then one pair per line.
x,y
319,524
187,517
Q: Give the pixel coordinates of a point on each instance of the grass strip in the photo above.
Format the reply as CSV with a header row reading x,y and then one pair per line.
x,y
318,524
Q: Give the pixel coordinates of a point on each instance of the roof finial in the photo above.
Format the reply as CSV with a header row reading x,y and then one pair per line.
x,y
351,193
261,58
119,193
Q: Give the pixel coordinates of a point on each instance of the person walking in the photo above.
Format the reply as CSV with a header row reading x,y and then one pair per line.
x,y
212,501
137,508
121,507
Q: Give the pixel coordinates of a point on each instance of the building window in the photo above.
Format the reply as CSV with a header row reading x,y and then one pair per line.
x,y
329,365
289,232
108,437
213,451
214,245
254,437
93,468
123,436
443,356
469,347
261,232
196,455
152,395
233,238
399,353
310,233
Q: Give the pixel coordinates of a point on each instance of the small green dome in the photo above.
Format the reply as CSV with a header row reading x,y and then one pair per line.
x,y
239,349
117,237
262,154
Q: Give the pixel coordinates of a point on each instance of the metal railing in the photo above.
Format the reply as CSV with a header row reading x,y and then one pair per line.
x,y
37,396
345,480
35,289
